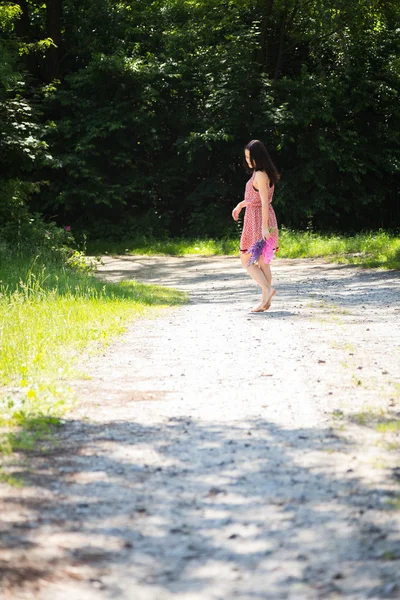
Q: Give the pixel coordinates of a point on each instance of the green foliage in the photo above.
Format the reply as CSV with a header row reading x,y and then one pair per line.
x,y
155,100
341,135
49,314
389,426
27,233
369,249
22,150
372,249
166,247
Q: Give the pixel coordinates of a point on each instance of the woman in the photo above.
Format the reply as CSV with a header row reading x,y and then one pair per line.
x,y
259,220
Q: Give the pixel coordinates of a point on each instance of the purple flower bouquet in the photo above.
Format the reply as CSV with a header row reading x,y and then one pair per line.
x,y
264,248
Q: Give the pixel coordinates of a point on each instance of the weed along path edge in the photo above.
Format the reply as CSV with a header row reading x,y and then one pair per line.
x,y
217,454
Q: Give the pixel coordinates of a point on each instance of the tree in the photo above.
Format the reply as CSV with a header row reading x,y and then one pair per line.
x,y
22,149
147,106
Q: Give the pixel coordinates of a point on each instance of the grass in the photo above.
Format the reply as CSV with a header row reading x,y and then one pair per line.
x,y
366,416
167,247
370,249
379,419
389,426
49,315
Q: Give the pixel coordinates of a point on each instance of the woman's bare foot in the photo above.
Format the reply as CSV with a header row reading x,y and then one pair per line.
x,y
259,308
265,298
268,304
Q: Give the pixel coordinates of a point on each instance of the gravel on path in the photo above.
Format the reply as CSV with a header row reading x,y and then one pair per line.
x,y
219,454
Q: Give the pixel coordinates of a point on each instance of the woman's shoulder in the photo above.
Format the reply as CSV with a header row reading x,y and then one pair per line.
x,y
261,177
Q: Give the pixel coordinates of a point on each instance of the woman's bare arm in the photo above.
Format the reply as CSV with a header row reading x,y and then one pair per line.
x,y
238,208
262,184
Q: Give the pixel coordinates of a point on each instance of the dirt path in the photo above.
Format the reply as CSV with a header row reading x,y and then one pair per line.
x,y
216,454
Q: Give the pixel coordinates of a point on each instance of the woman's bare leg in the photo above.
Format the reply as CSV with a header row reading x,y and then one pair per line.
x,y
257,274
266,269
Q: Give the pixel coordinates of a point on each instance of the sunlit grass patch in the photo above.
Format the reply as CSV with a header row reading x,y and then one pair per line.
x,y
49,315
10,479
364,417
167,247
395,503
379,419
370,249
388,427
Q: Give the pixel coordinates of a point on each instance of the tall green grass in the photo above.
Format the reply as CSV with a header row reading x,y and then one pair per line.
x,y
49,315
165,247
370,249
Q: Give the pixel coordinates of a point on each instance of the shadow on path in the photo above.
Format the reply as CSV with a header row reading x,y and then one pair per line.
x,y
222,280
172,506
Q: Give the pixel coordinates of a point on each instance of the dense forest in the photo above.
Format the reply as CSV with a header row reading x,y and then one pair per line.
x,y
126,117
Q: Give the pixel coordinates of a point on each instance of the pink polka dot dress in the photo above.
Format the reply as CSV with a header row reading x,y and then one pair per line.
x,y
252,226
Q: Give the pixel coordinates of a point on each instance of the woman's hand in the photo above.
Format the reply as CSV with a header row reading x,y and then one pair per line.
x,y
236,212
265,233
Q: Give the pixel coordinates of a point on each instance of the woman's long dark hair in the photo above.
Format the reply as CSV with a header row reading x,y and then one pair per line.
x,y
261,160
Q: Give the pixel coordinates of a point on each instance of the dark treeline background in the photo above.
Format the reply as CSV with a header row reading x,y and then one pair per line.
x,y
126,117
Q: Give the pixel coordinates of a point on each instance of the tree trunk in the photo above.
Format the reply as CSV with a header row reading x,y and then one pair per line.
x,y
262,54
22,24
23,31
281,49
53,30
